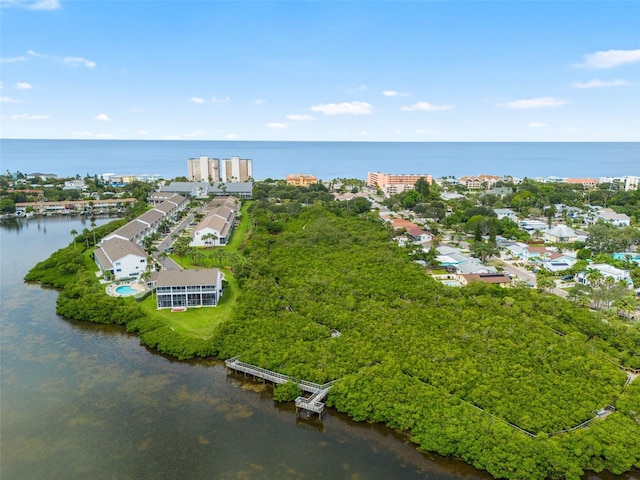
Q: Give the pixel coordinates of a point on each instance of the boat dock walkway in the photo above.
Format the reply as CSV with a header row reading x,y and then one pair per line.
x,y
312,403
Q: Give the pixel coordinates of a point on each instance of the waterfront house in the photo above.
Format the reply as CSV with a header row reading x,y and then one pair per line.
x,y
188,288
121,258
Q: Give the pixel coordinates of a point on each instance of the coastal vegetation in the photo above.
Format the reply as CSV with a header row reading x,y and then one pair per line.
x,y
497,377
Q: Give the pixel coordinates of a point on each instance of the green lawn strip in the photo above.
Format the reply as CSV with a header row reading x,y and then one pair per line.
x,y
238,234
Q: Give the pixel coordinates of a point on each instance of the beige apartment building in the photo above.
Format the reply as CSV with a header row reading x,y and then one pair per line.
x,y
301,179
205,169
478,182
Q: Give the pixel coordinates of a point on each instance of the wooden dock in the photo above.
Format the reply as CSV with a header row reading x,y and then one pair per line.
x,y
312,403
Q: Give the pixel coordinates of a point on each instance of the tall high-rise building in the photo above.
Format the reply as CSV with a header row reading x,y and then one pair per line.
x,y
205,169
236,169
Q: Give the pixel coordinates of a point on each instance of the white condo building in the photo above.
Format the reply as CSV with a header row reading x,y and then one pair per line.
x,y
205,169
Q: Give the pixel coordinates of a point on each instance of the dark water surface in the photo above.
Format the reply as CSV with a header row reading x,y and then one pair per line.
x,y
85,401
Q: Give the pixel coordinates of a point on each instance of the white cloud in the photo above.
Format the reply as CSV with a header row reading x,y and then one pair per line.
x,y
197,100
141,132
351,108
232,136
260,101
195,133
75,61
170,137
597,83
12,59
393,93
276,125
88,134
103,116
8,100
32,4
220,100
43,5
537,125
426,107
34,53
24,86
421,131
363,133
610,58
534,103
300,117
28,116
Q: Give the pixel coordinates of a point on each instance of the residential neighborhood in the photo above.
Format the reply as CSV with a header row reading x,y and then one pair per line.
x,y
488,228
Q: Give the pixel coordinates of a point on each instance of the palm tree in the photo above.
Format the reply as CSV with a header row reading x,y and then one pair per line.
x,y
85,235
209,239
93,229
74,233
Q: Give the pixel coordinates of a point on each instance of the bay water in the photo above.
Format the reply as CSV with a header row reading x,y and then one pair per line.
x,y
81,400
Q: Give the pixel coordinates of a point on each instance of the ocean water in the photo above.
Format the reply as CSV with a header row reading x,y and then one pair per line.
x,y
326,160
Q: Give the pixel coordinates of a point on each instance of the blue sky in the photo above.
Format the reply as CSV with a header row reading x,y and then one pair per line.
x,y
320,70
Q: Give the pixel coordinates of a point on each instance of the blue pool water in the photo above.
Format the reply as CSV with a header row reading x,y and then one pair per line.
x,y
125,290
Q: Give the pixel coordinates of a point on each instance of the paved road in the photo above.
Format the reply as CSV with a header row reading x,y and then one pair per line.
x,y
166,262
529,277
523,274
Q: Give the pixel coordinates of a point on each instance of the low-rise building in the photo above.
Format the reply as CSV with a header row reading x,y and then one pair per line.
x,y
301,179
478,182
490,278
557,262
204,189
606,270
122,258
560,234
506,213
188,288
453,258
214,229
608,215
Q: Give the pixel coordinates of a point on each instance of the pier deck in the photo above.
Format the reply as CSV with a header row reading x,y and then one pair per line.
x,y
312,403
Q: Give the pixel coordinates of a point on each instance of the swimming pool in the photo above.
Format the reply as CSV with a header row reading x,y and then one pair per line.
x,y
125,290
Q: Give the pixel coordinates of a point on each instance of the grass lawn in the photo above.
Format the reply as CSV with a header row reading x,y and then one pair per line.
x,y
198,322
202,322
